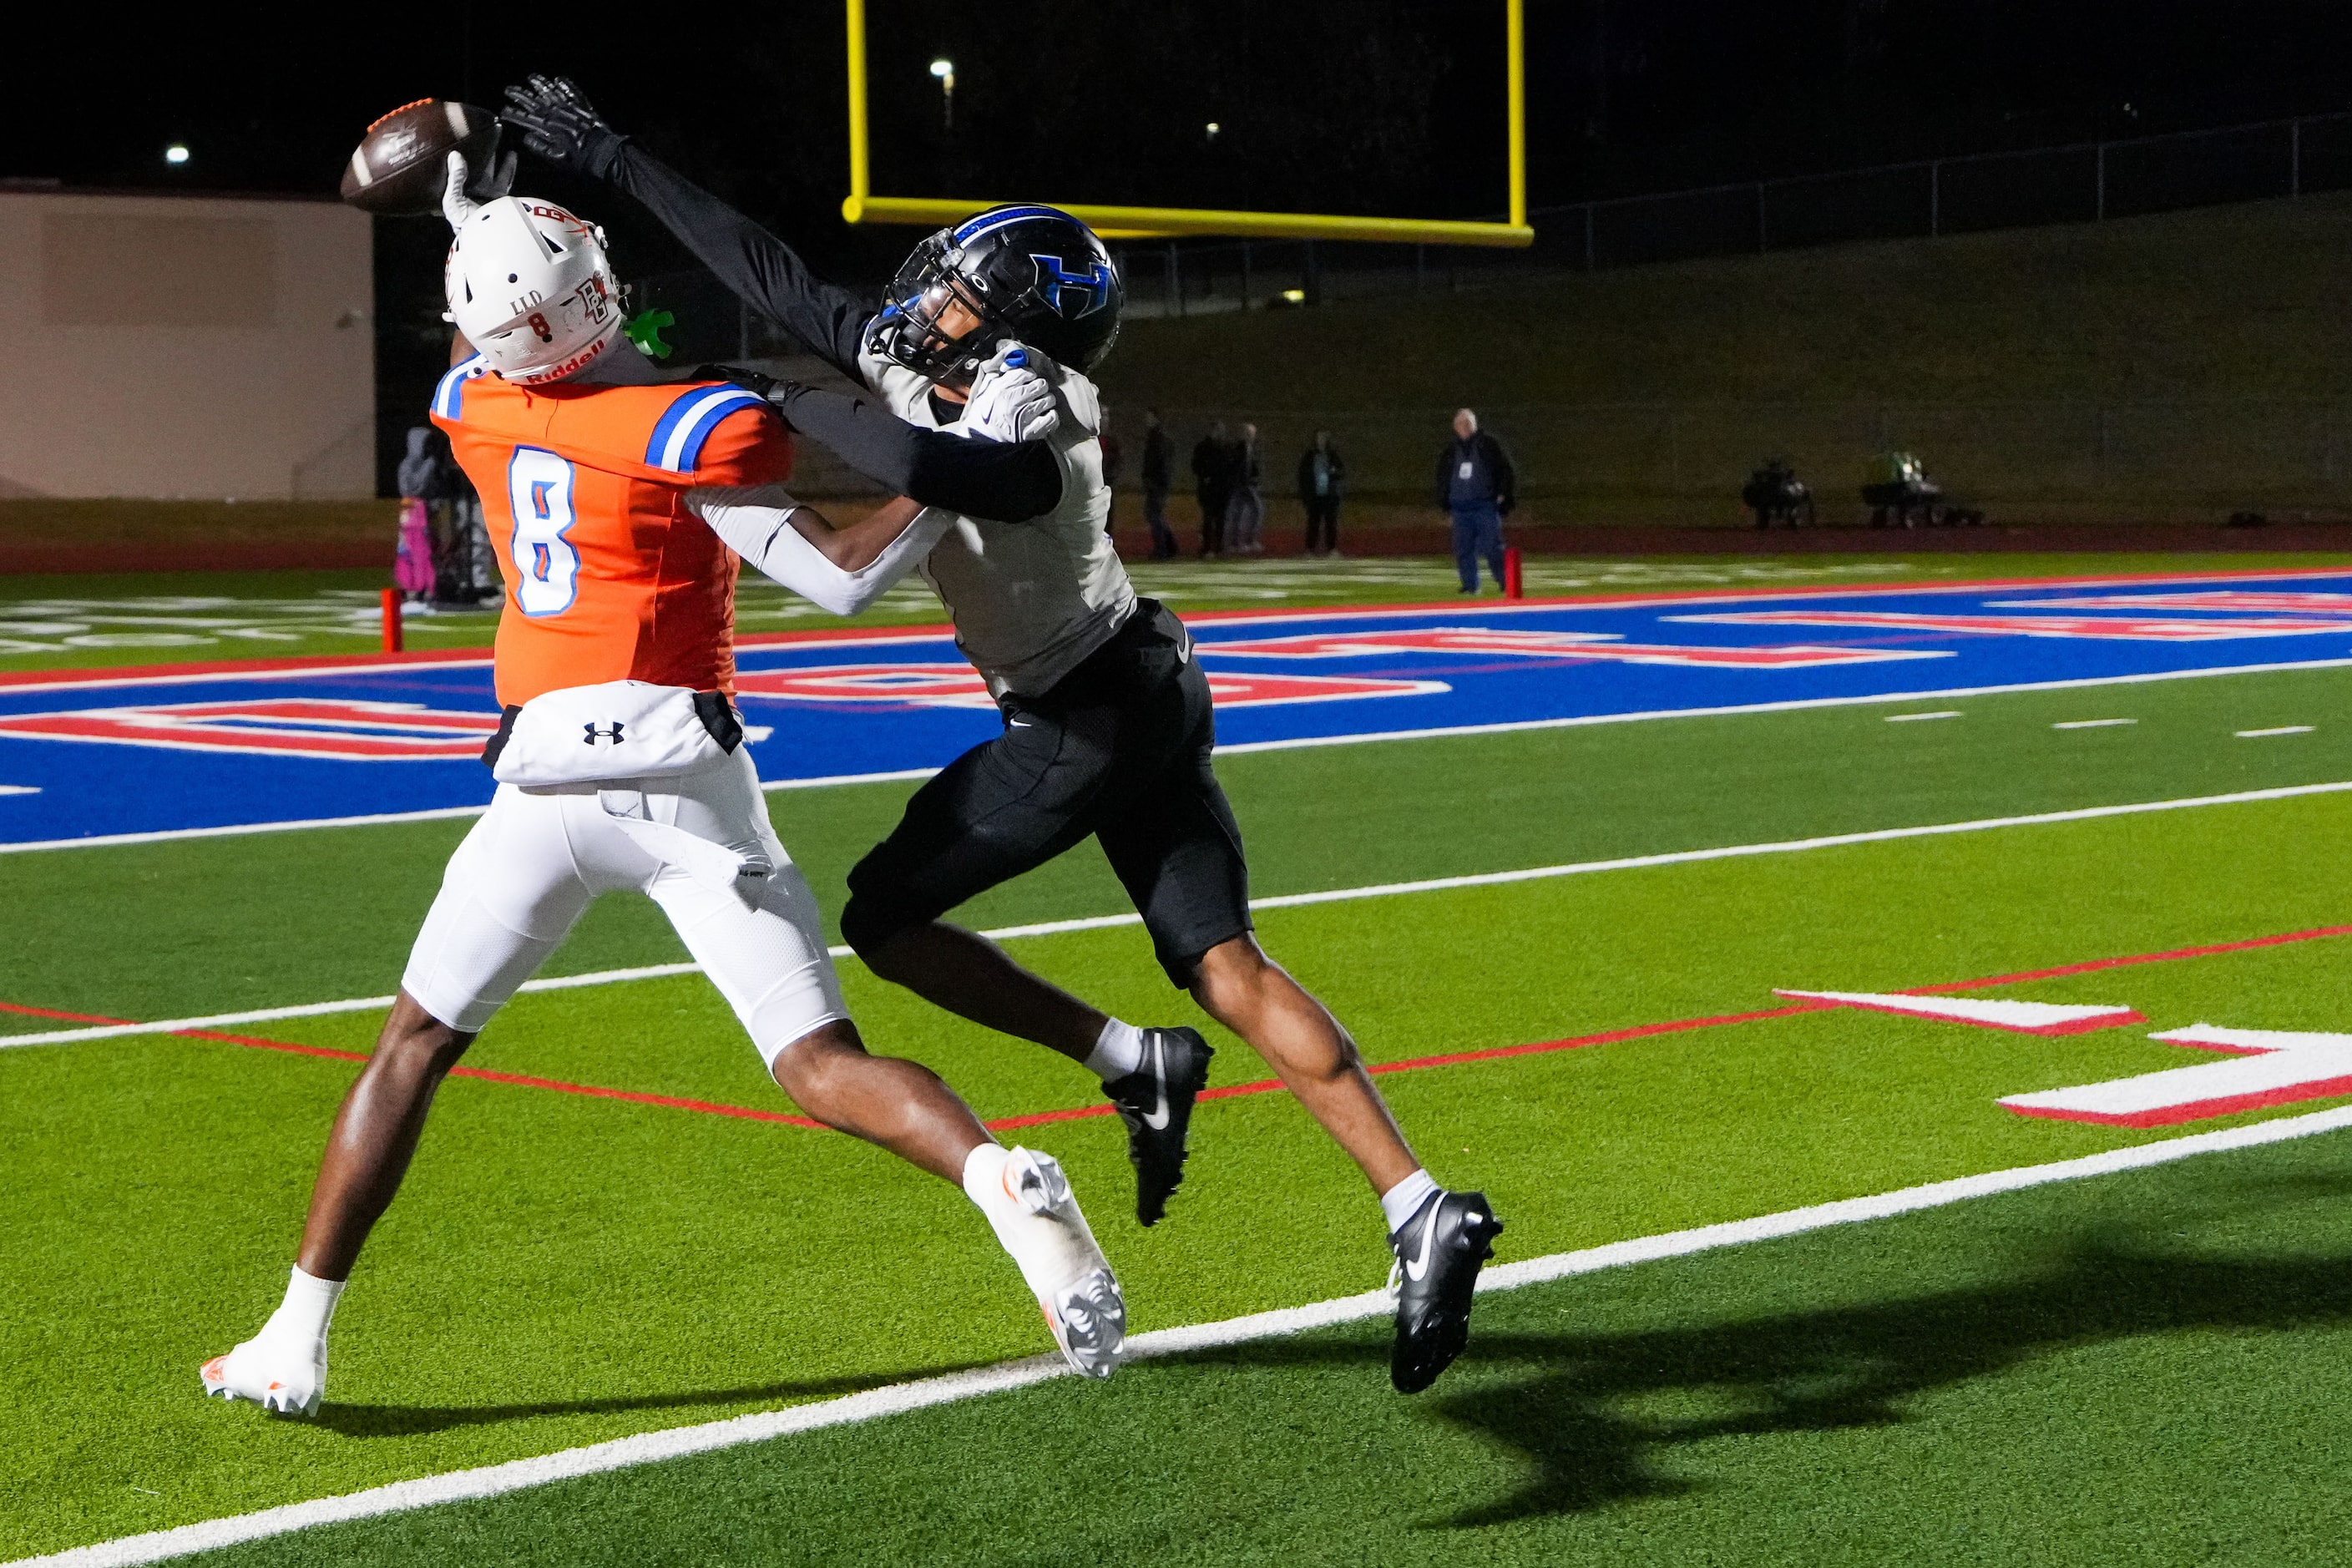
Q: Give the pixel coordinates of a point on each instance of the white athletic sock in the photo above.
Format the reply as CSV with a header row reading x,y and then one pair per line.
x,y
309,1308
1050,1253
1404,1201
1118,1052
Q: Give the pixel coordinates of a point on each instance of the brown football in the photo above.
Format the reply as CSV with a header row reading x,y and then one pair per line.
x,y
400,165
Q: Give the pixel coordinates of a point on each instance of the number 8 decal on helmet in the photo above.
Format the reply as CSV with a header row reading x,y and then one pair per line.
x,y
547,568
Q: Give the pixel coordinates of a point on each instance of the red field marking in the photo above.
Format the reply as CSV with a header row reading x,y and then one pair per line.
x,y
519,1080
2094,966
1268,1086
2204,1109
1415,1064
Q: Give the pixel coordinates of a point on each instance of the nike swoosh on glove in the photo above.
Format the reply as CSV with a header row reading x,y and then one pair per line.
x,y
1009,400
560,125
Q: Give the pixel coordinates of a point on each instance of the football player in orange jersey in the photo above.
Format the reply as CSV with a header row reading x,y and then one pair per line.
x,y
620,767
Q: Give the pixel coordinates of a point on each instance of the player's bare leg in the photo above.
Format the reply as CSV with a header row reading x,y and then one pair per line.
x,y
909,1109
375,1136
1238,985
1253,996
900,1105
1150,1075
284,1367
969,975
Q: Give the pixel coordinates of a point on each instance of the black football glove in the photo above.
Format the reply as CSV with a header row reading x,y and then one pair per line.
x,y
560,124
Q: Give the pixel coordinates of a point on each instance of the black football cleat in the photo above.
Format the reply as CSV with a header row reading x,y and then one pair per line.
x,y
1156,1102
1439,1252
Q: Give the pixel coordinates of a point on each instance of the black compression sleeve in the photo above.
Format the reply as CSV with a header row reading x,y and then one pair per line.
x,y
761,269
1003,482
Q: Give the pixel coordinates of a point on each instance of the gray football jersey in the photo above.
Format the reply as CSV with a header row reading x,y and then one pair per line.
x,y
1030,600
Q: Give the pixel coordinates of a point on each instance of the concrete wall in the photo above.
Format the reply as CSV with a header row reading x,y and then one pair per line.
x,y
171,347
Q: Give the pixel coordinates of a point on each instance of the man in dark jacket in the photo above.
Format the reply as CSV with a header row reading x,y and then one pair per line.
x,y
1159,478
1477,488
1213,482
1321,478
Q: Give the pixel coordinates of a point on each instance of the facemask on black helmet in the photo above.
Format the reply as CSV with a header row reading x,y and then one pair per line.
x,y
1032,274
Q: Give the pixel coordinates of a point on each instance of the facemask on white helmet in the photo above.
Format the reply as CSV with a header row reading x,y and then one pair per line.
x,y
528,285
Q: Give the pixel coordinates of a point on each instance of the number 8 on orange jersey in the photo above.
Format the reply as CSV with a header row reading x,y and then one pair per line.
x,y
539,496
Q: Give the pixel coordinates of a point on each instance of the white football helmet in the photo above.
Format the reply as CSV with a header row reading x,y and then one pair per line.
x,y
528,285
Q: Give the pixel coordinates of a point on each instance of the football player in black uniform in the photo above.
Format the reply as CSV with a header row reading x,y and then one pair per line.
x,y
1108,728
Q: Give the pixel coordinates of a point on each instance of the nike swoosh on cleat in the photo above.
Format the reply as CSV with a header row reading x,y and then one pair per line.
x,y
1157,1119
1414,1267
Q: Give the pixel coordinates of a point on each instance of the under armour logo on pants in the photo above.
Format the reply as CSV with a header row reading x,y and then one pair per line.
x,y
610,732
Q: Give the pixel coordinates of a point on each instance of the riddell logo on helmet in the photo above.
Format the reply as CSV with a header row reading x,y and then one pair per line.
x,y
576,363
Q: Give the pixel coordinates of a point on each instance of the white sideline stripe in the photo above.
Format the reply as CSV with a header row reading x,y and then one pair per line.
x,y
1374,737
1279,902
238,829
677,1442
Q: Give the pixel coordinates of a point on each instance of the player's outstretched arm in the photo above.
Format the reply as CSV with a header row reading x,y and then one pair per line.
x,y
842,570
559,124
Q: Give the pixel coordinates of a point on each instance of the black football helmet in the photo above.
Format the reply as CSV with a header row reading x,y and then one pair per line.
x,y
1033,274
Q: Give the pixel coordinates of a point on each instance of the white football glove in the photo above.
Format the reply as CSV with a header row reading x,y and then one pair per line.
x,y
458,202
1009,400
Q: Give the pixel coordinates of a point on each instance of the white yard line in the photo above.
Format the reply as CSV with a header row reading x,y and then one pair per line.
x,y
1304,742
677,1442
1278,901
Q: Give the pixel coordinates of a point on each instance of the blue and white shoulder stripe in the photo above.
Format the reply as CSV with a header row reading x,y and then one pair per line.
x,y
677,438
449,398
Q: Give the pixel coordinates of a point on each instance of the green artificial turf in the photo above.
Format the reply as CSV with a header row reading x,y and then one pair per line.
x,y
560,1271
563,1270
2126,1370
95,621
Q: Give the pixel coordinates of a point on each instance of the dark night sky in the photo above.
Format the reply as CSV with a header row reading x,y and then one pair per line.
x,y
1364,106
1333,105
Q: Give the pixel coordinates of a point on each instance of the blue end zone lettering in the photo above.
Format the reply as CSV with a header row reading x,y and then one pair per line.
x,y
220,747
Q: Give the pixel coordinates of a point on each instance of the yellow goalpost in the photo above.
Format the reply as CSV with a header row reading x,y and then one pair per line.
x,y
862,205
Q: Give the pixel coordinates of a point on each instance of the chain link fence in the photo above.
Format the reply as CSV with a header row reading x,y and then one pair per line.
x,y
2084,183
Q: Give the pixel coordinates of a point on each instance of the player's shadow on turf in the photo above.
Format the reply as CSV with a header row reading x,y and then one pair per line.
x,y
414,1420
1582,1422
1594,1414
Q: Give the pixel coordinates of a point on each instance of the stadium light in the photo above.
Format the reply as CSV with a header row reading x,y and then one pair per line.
x,y
861,206
944,68
1213,129
175,155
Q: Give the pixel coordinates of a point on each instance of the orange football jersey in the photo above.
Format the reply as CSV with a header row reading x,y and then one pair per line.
x,y
608,575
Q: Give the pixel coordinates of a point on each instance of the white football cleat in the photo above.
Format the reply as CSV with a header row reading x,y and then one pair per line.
x,y
287,1378
1047,1235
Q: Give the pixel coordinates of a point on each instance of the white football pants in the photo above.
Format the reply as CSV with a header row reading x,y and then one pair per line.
x,y
538,855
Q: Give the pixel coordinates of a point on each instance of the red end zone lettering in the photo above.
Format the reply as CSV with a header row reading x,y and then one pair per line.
x,y
338,730
1604,646
2129,628
960,686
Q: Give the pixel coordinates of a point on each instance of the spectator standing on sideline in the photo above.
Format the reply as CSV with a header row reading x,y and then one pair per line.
x,y
1477,488
1245,512
1213,485
1321,476
423,486
1159,478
